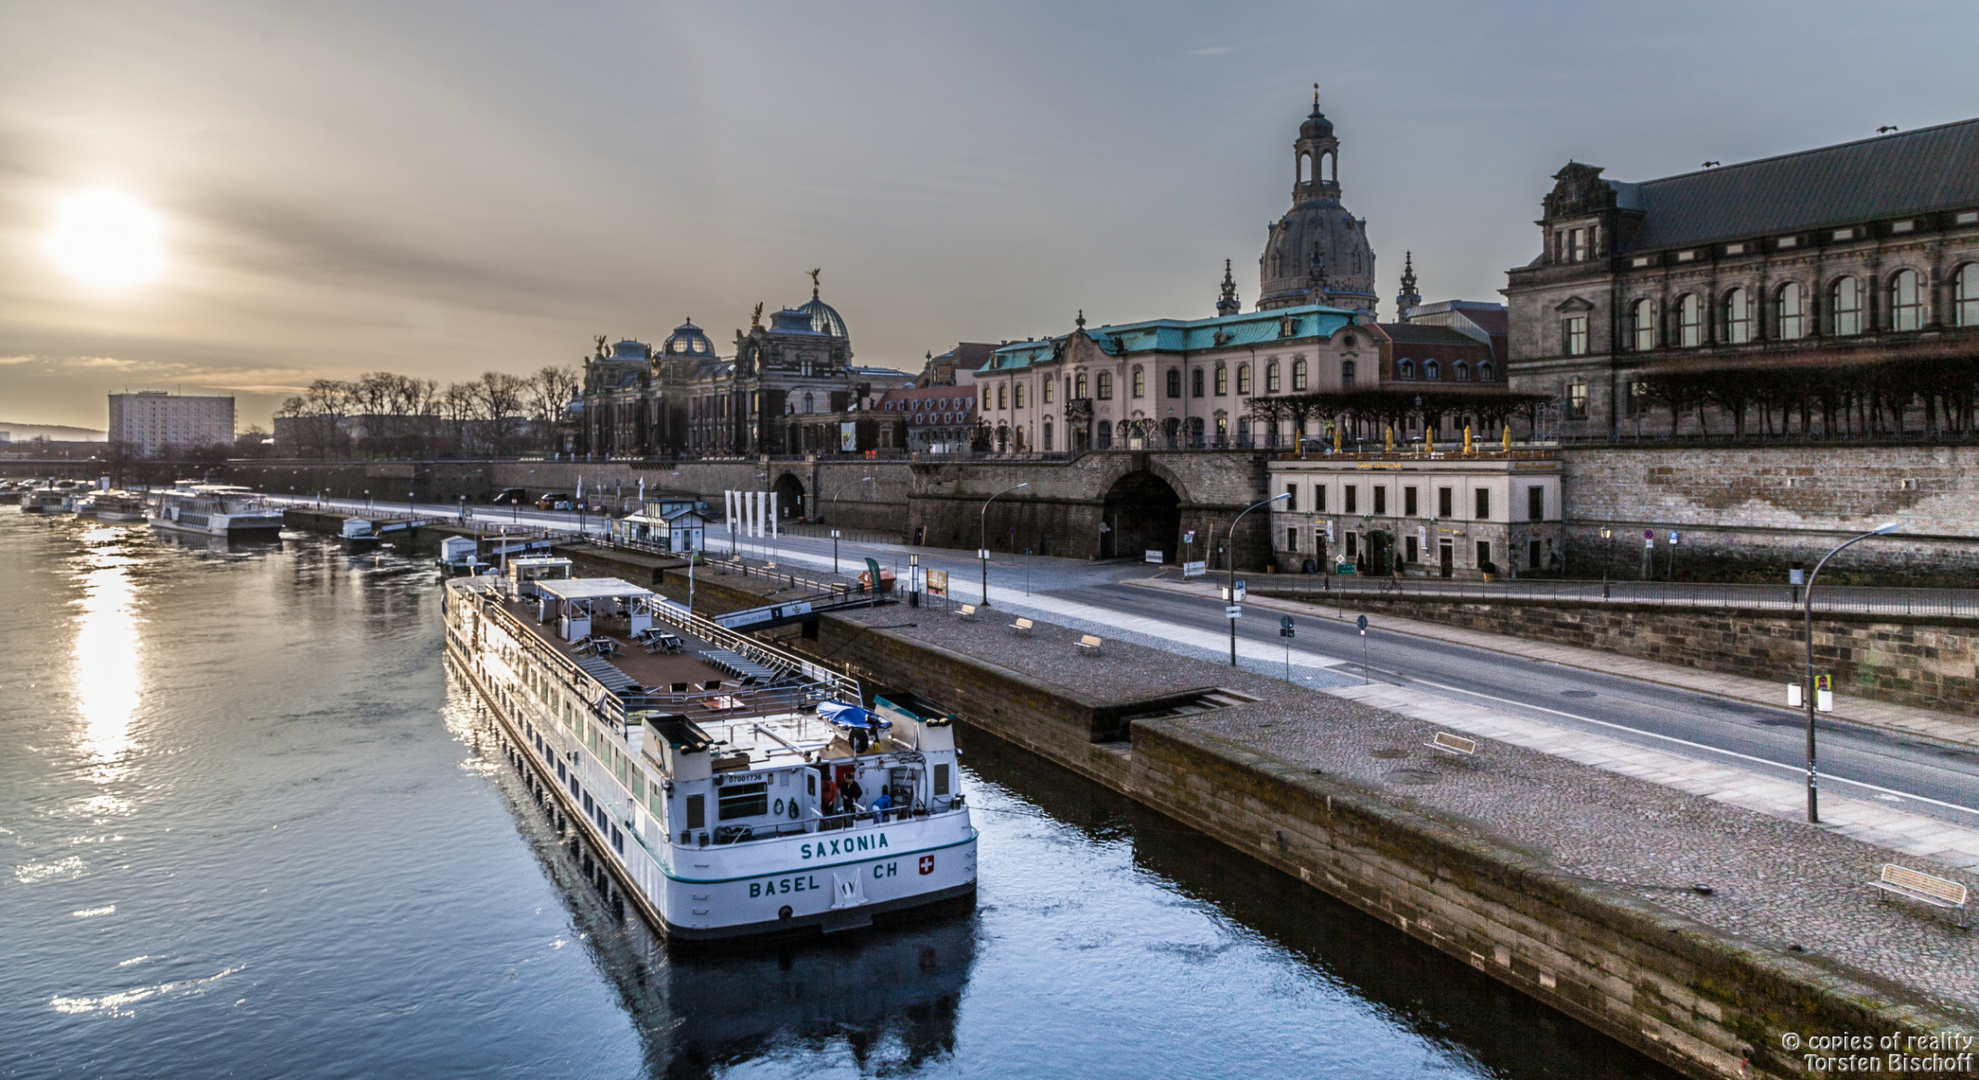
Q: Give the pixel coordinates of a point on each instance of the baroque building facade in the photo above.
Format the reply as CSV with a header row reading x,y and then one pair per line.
x,y
1834,291
683,399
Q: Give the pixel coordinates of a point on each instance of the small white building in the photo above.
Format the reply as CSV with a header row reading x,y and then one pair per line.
x,y
668,523
1418,514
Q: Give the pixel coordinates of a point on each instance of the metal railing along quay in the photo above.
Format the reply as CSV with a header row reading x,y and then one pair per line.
x,y
1836,599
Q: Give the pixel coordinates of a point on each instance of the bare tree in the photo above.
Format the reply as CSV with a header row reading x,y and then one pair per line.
x,y
499,398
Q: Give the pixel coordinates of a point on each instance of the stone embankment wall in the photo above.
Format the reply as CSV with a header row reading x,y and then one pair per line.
x,y
1678,991
1757,507
1929,663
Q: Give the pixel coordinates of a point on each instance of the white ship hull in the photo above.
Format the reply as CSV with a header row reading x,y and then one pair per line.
x,y
221,524
831,880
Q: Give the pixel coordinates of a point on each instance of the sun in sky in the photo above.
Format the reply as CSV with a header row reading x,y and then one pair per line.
x,y
106,239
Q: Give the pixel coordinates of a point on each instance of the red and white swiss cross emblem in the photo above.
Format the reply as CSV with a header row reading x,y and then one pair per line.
x,y
927,864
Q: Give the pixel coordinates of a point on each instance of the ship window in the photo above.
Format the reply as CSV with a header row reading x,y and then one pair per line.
x,y
742,800
941,781
697,811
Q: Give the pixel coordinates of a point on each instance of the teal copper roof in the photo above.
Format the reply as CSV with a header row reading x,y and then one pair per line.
x,y
1181,336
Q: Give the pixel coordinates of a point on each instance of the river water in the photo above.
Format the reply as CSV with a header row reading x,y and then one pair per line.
x,y
249,828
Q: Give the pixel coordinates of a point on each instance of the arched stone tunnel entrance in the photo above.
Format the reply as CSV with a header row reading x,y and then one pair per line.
x,y
1142,513
789,496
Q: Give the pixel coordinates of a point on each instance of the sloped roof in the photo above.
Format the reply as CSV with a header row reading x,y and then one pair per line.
x,y
1181,336
1913,172
1418,334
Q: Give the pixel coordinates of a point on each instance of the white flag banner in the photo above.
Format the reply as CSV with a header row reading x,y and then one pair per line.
x,y
580,487
772,515
728,511
642,492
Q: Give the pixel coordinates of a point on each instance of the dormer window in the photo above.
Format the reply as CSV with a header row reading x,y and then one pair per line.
x,y
1577,245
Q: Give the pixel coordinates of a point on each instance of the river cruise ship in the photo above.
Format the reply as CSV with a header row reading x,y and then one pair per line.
x,y
45,500
215,510
115,505
730,788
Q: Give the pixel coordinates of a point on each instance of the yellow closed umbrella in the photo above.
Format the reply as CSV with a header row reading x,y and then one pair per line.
x,y
1467,438
1508,438
1391,438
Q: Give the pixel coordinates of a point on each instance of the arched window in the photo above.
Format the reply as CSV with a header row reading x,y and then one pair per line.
x,y
1002,400
1690,321
1406,369
1305,168
1105,441
1485,372
1017,396
1738,317
1079,386
1140,382
1174,382
1432,370
1347,373
1790,312
1966,295
1462,371
1271,375
1196,383
1047,433
1222,381
1844,308
1106,386
1244,432
1906,306
1170,429
1243,378
1299,376
986,399
1222,431
809,404
1195,431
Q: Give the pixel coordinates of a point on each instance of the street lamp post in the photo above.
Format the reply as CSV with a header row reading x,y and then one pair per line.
x,y
1807,616
1230,563
1607,534
982,536
834,519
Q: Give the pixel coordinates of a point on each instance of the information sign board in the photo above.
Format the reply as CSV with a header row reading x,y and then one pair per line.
x,y
1194,569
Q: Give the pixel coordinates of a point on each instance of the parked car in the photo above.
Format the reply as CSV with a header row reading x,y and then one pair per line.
x,y
554,500
512,497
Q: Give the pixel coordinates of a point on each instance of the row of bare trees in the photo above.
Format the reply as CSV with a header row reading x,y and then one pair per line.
x,y
1368,413
1935,398
383,414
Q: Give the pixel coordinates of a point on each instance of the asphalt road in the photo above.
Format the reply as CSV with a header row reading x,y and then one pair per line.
x,y
1914,774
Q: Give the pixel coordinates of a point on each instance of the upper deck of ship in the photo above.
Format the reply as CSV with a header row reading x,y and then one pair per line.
x,y
647,653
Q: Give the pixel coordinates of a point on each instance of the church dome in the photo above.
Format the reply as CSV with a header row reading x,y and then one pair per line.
x,y
825,319
688,340
1317,126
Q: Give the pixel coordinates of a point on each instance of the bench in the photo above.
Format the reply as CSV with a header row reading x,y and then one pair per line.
x,y
1023,626
1919,886
1453,744
1088,644
967,611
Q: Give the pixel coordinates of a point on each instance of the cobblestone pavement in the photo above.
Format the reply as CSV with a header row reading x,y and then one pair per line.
x,y
1776,883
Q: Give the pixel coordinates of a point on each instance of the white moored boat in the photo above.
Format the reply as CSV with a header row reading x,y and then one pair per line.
x,y
215,510
45,500
114,505
730,788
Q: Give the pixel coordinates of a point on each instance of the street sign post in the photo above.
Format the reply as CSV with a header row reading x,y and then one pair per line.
x,y
1239,596
1286,631
1360,623
1233,611
1195,569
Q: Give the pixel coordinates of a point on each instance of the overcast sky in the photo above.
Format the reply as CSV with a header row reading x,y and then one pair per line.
x,y
444,188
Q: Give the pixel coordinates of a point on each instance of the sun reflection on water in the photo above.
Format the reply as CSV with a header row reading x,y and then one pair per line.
x,y
108,654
